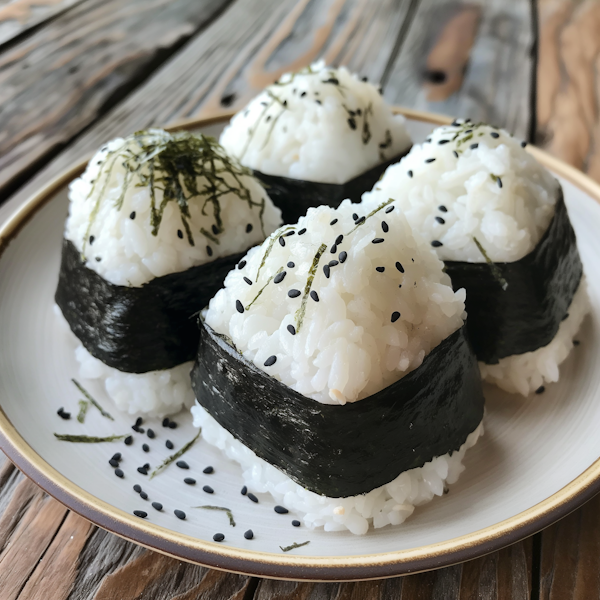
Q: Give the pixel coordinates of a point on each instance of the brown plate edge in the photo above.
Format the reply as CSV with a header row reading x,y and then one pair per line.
x,y
323,568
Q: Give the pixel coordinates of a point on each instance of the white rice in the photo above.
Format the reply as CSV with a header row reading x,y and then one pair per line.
x,y
349,345
525,373
130,254
390,504
307,128
507,221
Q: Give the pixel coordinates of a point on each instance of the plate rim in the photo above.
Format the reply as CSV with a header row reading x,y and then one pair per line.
x,y
271,565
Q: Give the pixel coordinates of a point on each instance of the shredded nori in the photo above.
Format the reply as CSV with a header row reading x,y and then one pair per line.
x,y
83,408
87,439
137,329
293,546
341,451
517,307
222,508
299,316
89,397
174,457
492,265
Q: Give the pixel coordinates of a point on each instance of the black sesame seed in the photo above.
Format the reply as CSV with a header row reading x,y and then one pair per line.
x,y
268,118
132,215
428,140
455,153
169,444
354,216
279,277
468,130
333,222
523,144
395,316
389,209
540,390
565,317
270,361
291,329
218,537
296,523
339,239
409,173
209,250
333,263
208,470
139,421
576,342
380,269
189,481
141,430
146,466
208,489
140,513
62,414
314,296
442,208
294,293
129,440
145,448
179,514
440,220
249,534
384,226
474,146
215,230
116,456
92,238
281,510
239,307
241,264
150,433
302,232
442,142
361,220
436,243
343,256
281,242
352,123
244,491
290,265
119,473
142,470
182,464
252,497
429,160
377,241
318,102
113,463
400,267
137,488
499,182
165,422
249,227
157,505
333,249
248,281
180,234
302,94
495,134
326,271
143,496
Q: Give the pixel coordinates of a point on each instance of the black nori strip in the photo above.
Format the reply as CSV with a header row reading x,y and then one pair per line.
x,y
295,196
427,413
112,321
539,290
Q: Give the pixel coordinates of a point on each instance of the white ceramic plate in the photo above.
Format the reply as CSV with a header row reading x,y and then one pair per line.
x,y
537,461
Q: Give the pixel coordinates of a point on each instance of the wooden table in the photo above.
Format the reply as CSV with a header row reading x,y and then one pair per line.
x,y
74,73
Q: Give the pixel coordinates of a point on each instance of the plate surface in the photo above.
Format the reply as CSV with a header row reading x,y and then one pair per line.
x,y
537,461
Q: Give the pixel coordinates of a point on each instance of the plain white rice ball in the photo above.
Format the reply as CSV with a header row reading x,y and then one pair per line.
x,y
319,124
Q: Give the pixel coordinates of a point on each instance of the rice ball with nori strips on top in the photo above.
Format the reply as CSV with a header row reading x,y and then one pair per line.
x,y
498,220
334,368
155,223
316,137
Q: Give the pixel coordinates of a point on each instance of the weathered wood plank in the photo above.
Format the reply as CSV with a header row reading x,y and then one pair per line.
x,y
469,58
568,98
59,80
570,561
18,16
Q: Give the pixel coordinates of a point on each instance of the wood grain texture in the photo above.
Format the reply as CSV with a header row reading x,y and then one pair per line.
x,y
57,81
18,16
568,99
468,58
570,560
